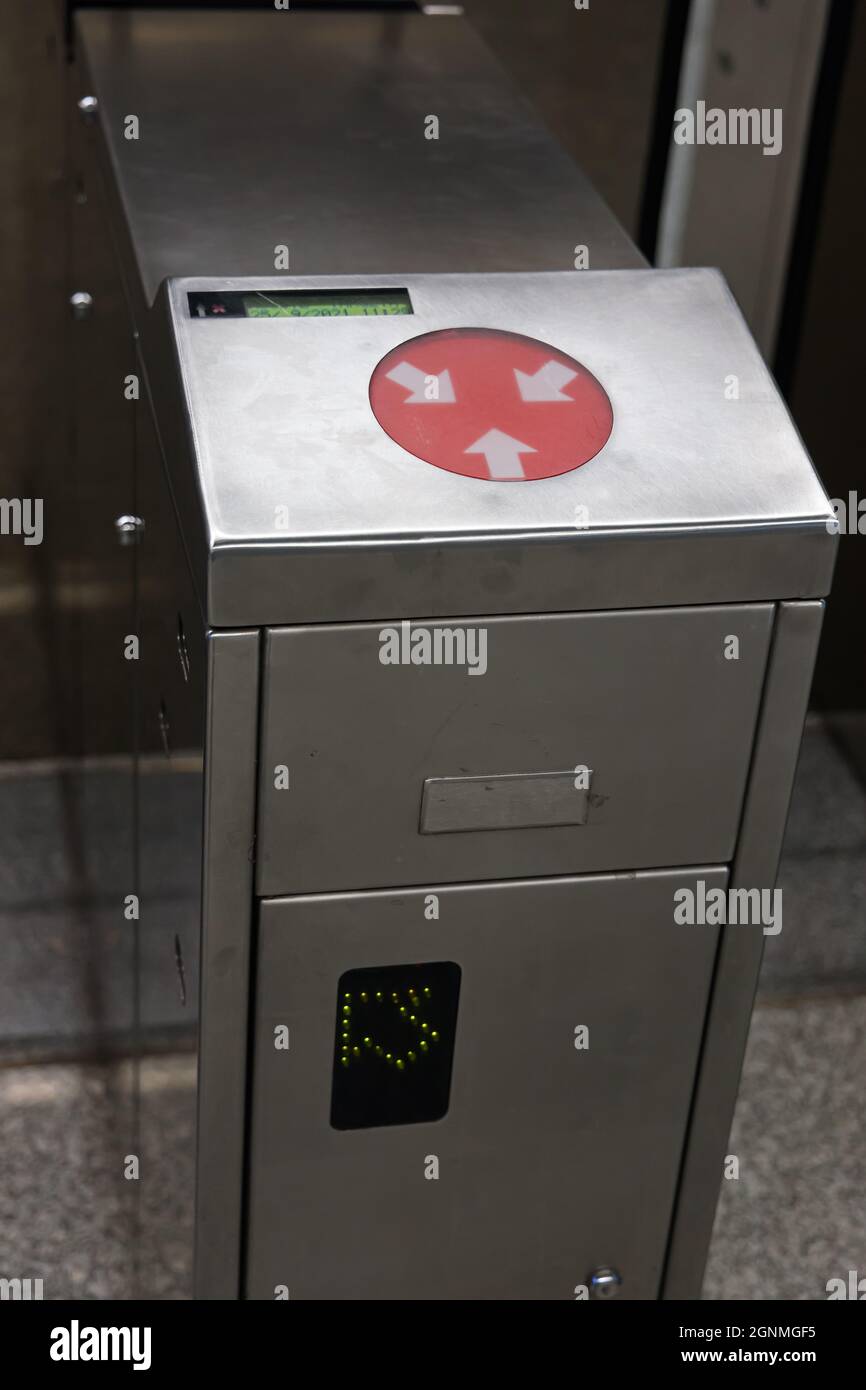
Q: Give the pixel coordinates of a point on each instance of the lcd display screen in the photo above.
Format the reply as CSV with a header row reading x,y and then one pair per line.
x,y
394,1044
298,304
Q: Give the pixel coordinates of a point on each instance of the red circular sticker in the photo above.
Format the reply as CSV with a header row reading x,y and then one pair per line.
x,y
491,405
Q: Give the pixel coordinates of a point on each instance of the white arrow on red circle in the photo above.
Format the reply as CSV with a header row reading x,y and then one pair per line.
x,y
415,381
546,384
502,453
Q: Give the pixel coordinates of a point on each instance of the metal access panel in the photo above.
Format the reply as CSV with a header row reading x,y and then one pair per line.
x,y
557,1153
570,746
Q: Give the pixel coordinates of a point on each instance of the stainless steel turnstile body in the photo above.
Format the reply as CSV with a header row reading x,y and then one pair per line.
x,y
649,623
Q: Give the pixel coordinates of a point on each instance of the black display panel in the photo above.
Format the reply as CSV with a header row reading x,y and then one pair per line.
x,y
297,304
394,1044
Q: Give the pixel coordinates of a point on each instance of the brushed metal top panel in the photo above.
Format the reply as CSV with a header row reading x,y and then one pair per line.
x,y
280,416
308,129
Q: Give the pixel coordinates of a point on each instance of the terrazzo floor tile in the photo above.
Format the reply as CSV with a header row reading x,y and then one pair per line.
x,y
796,1216
68,1216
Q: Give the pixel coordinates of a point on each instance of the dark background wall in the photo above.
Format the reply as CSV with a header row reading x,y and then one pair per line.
x,y
32,446
826,387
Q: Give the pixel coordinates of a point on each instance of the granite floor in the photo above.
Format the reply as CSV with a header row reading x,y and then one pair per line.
x,y
793,1219
796,1215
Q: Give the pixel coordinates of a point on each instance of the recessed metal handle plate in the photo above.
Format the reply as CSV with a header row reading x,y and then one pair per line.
x,y
506,801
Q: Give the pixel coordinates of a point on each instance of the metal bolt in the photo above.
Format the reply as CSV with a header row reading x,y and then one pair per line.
x,y
88,107
605,1283
128,529
81,304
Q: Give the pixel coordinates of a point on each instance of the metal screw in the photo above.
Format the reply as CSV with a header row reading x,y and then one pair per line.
x,y
81,304
128,529
605,1283
88,107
